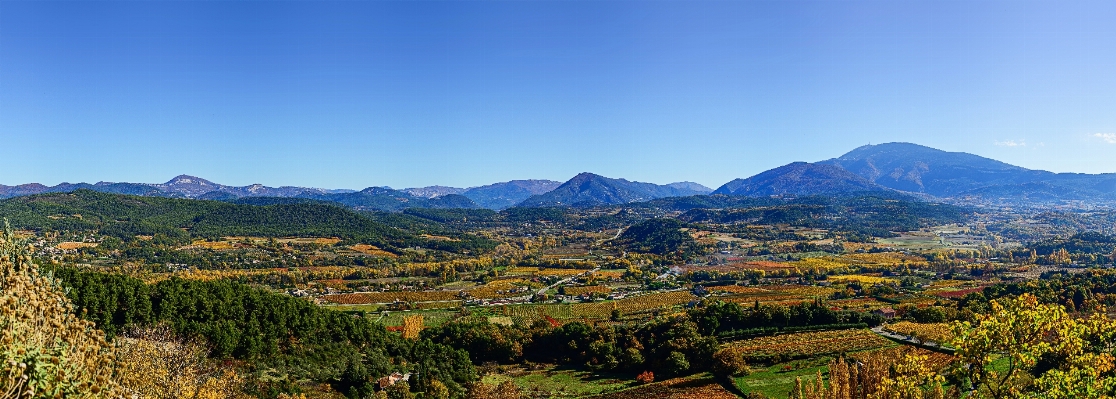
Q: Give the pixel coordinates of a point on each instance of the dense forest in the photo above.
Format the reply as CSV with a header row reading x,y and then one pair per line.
x,y
269,331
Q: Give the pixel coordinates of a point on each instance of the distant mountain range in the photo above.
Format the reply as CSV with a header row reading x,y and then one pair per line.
x,y
182,186
892,167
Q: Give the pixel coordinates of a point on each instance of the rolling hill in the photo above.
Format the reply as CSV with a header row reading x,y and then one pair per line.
x,y
129,216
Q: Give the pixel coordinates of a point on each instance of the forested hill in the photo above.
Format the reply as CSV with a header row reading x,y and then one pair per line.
x,y
127,216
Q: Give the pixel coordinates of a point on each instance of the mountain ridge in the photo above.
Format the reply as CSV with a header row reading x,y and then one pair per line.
x,y
903,167
588,189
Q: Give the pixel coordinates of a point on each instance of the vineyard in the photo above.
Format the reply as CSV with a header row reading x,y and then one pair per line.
x,y
525,314
390,297
600,289
371,250
934,360
803,290
862,279
811,344
549,272
500,289
928,332
737,289
678,388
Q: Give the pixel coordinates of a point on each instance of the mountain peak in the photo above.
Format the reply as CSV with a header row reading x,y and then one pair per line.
x,y
592,189
917,168
187,179
583,176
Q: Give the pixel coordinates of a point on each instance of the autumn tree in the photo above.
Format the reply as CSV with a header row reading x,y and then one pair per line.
x,y
1018,333
728,362
156,363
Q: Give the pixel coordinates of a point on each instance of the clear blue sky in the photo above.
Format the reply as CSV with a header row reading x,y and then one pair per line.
x,y
355,94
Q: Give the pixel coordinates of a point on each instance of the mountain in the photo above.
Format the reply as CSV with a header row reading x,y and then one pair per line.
x,y
507,194
691,186
194,187
451,201
587,189
188,186
433,191
920,169
114,188
799,178
182,186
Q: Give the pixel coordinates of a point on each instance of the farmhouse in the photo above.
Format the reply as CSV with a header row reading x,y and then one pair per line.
x,y
886,312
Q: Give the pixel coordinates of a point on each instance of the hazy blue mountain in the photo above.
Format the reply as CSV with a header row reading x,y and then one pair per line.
x,y
921,169
587,189
915,168
507,194
114,188
799,178
691,186
182,186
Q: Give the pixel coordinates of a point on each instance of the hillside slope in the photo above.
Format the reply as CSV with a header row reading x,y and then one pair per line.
x,y
799,178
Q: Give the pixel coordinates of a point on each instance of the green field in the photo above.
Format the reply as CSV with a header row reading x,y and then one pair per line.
x,y
777,382
563,383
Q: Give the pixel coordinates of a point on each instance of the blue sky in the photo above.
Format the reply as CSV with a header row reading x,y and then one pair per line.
x,y
355,94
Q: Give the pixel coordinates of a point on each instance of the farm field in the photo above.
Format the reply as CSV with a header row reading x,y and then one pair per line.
x,y
810,344
776,381
679,388
561,383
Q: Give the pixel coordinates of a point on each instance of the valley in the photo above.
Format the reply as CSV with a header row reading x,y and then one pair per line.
x,y
749,290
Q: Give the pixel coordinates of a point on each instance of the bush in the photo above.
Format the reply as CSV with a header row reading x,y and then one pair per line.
x,y
729,362
45,350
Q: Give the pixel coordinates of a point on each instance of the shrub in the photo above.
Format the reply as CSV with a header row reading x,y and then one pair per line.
x,y
46,351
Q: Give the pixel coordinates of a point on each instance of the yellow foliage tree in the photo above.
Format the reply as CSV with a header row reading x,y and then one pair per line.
x,y
412,326
1018,332
156,363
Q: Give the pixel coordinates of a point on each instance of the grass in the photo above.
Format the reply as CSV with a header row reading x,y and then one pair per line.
x,y
563,382
777,382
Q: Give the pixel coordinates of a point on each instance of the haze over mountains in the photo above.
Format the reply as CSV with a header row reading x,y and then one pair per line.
x,y
893,167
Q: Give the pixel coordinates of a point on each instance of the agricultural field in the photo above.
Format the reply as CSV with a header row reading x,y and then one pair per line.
x,y
678,388
561,383
924,332
810,344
